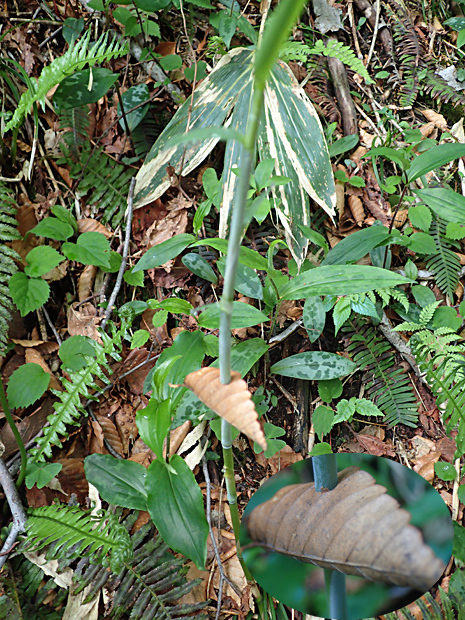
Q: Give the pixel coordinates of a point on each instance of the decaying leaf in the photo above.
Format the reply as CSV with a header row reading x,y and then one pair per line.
x,y
233,402
356,529
437,119
357,210
400,218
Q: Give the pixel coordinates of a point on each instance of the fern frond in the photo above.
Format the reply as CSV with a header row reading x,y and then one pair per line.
x,y
70,531
387,293
445,264
336,49
425,317
387,385
69,408
76,58
75,122
150,584
103,181
444,367
294,50
8,232
30,594
438,88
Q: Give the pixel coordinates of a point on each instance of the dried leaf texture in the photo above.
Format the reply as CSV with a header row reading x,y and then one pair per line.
x,y
356,529
233,402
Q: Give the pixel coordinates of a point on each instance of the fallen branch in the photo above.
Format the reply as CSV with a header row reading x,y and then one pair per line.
x,y
17,511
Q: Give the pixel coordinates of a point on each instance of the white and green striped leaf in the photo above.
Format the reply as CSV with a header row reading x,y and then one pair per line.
x,y
291,134
213,102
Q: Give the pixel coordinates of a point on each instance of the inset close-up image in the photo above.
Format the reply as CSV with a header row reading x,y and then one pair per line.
x,y
346,536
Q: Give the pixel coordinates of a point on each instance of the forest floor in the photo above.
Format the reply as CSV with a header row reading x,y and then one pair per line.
x,y
411,44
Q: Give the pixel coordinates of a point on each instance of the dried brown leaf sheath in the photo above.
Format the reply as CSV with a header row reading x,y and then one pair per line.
x,y
233,402
356,529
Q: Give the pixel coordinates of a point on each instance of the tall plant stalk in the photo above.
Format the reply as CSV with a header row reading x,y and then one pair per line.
x,y
275,34
325,474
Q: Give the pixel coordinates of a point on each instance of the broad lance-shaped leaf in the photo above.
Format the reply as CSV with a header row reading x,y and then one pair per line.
x,y
294,137
233,401
291,133
356,529
213,102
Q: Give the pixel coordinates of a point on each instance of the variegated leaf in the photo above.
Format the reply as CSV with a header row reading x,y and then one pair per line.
x,y
213,101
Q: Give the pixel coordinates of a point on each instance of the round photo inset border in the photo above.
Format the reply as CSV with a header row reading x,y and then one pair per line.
x,y
302,585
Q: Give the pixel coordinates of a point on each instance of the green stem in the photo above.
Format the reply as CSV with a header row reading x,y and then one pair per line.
x,y
17,436
325,471
325,474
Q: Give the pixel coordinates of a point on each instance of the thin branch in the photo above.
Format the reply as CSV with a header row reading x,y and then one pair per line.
x,y
17,511
124,257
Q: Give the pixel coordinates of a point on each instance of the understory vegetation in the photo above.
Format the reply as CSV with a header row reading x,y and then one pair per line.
x,y
231,238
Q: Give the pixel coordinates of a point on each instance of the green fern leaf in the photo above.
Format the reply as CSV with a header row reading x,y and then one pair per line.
x,y
76,58
73,532
445,264
69,408
336,49
104,182
387,386
150,585
444,367
8,232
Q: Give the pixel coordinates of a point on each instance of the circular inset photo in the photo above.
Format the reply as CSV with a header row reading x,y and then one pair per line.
x,y
346,536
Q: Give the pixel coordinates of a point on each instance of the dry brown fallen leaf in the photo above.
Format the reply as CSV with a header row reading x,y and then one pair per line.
x,y
357,210
437,119
233,402
357,529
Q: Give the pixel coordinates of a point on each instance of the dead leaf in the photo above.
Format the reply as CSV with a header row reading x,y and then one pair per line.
x,y
375,446
400,218
84,322
233,402
198,594
86,281
233,570
280,460
125,422
357,210
72,478
87,224
356,528
425,465
437,119
110,433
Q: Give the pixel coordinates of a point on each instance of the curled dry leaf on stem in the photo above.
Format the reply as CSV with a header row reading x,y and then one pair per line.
x,y
232,402
356,529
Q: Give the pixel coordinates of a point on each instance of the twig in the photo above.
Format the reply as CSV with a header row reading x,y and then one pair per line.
x,y
286,332
17,511
52,326
402,347
223,577
124,257
350,10
50,37
42,326
375,33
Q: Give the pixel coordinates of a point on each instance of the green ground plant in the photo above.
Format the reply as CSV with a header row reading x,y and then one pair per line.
x,y
259,179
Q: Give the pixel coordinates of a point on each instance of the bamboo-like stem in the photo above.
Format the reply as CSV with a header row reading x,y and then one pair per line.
x,y
17,436
286,15
325,474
